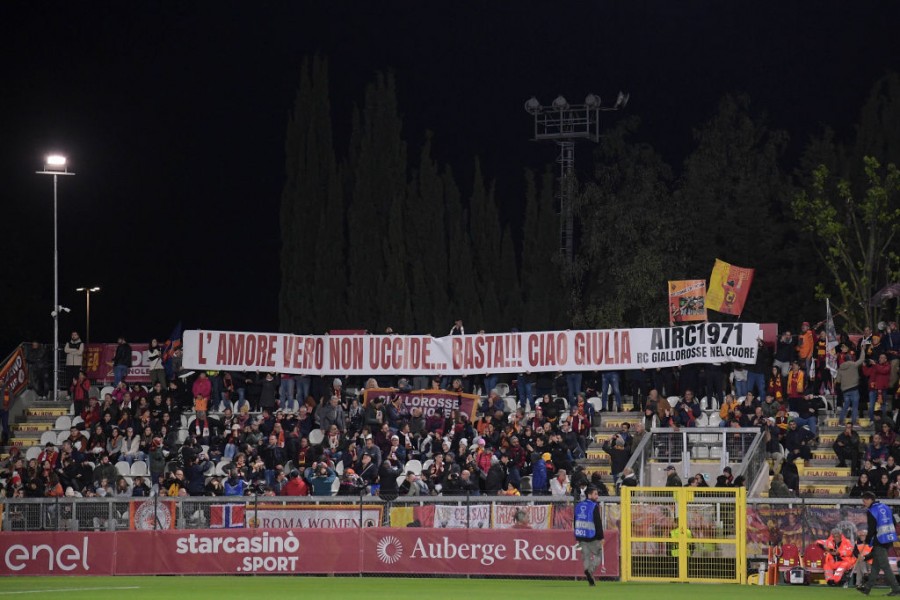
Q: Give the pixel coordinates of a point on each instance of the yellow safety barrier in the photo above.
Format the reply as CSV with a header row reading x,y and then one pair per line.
x,y
684,534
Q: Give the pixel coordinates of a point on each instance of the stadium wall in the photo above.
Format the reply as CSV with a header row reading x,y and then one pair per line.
x,y
376,550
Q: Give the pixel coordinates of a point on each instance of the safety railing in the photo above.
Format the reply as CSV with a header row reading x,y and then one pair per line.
x,y
200,512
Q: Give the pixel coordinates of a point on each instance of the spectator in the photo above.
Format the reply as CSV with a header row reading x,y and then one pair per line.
x,y
121,361
805,346
778,489
38,371
74,351
80,391
202,389
797,442
139,488
321,478
862,485
879,377
848,378
155,360
332,413
618,455
785,353
877,452
672,478
559,485
295,485
846,447
610,379
688,410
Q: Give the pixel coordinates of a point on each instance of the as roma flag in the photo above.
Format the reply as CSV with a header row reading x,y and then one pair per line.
x,y
687,300
728,288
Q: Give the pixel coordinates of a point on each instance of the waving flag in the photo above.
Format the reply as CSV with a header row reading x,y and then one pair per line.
x,y
686,301
172,344
831,341
728,288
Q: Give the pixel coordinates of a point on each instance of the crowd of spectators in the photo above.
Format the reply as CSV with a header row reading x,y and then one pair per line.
x,y
298,435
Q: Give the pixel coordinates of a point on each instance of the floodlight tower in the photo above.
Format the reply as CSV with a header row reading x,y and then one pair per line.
x,y
565,124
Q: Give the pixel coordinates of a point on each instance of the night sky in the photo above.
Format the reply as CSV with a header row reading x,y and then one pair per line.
x,y
174,118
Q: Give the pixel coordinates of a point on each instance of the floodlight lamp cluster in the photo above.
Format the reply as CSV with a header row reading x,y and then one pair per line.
x,y
533,106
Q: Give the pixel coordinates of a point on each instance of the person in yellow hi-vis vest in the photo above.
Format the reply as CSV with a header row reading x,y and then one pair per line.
x,y
675,534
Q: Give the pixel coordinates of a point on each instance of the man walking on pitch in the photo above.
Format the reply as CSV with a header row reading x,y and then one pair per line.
x,y
589,532
882,535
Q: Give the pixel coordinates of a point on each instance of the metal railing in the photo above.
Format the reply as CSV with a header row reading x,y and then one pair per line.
x,y
194,512
690,444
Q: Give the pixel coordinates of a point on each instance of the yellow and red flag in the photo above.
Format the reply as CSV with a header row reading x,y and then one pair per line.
x,y
687,301
728,288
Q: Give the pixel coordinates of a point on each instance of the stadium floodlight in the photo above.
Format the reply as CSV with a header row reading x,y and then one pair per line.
x,y
592,101
533,106
560,103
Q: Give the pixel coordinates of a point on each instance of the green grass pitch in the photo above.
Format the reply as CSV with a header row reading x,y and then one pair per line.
x,y
388,588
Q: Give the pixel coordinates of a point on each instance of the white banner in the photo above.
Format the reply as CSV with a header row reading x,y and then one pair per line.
x,y
476,516
582,350
307,517
514,516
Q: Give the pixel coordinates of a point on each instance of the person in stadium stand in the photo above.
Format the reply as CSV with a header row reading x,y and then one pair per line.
x,y
295,485
559,485
688,410
846,447
38,371
618,454
879,377
74,351
672,478
848,378
882,536
589,532
805,346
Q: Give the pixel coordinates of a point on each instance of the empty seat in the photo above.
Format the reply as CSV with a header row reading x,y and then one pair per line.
x,y
62,436
76,421
315,437
106,390
123,468
139,467
32,452
415,466
63,422
49,436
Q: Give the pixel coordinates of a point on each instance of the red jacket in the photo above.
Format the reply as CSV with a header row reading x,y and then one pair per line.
x,y
202,387
295,487
879,376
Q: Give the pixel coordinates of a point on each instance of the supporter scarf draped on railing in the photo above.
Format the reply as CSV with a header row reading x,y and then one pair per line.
x,y
519,352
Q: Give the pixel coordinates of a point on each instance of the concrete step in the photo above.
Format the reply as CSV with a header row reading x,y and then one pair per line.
x,y
598,455
823,471
603,470
31,427
815,489
46,411
834,422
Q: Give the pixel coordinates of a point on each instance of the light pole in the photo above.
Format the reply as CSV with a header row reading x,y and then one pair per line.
x,y
565,124
55,165
87,299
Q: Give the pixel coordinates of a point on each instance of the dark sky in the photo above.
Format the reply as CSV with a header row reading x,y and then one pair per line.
x,y
173,116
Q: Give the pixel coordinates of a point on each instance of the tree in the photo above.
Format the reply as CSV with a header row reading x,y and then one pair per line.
x,y
854,236
629,246
541,280
310,193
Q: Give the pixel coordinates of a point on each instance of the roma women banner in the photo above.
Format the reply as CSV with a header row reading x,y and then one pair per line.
x,y
728,288
687,301
521,352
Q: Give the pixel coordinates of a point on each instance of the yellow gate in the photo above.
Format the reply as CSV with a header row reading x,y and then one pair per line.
x,y
684,534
